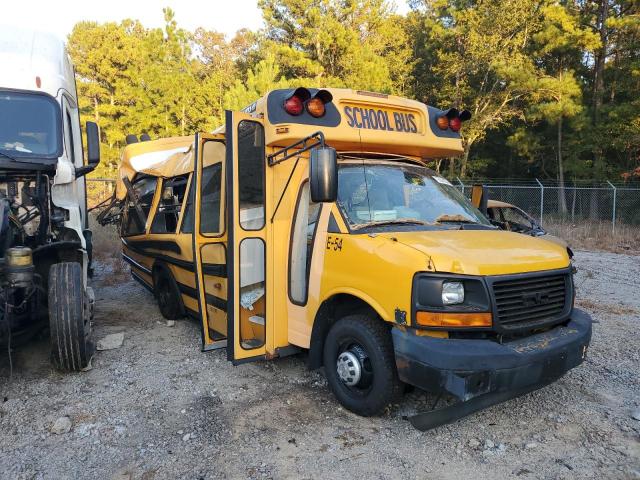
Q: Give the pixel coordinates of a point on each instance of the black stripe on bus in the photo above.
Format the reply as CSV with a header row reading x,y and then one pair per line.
x,y
215,269
135,264
168,245
141,281
212,300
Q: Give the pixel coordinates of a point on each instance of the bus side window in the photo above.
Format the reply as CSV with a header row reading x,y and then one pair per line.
x,y
144,189
168,212
251,164
305,220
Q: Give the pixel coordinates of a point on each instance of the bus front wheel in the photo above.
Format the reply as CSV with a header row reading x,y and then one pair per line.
x,y
360,365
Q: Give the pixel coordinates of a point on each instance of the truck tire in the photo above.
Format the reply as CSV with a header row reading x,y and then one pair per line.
x,y
167,294
70,325
360,364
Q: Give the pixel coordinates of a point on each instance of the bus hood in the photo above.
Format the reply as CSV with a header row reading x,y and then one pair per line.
x,y
484,252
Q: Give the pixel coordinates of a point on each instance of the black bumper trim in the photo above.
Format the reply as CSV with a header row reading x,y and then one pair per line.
x,y
472,368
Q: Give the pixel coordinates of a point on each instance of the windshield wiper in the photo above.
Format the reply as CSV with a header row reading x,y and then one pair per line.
x,y
454,219
381,223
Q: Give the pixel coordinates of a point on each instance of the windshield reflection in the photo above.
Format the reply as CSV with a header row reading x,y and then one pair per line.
x,y
29,125
385,193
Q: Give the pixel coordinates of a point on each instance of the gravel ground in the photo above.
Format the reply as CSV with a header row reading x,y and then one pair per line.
x,y
158,408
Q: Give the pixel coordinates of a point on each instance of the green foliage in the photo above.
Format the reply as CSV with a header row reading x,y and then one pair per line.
x,y
552,86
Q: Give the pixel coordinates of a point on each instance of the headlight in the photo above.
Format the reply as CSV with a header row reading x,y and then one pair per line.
x,y
452,293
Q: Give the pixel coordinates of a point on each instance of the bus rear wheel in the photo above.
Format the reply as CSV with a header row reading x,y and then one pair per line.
x,y
166,291
69,317
360,365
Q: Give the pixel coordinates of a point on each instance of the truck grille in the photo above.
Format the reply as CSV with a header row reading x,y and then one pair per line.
x,y
530,301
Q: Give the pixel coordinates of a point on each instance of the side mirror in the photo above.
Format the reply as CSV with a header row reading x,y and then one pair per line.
x,y
479,197
93,150
323,175
93,144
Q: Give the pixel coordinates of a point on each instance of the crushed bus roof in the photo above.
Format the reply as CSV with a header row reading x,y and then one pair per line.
x,y
166,157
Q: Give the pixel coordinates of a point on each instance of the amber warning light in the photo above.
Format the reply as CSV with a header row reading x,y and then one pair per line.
x,y
452,119
301,99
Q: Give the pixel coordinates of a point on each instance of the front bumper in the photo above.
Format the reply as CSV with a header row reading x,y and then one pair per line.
x,y
470,368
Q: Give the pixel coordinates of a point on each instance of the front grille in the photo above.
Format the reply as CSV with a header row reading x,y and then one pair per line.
x,y
529,301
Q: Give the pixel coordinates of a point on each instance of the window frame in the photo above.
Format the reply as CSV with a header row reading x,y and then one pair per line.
x,y
150,213
162,181
222,227
264,177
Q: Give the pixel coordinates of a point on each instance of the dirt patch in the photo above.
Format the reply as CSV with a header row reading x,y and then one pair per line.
x,y
158,408
594,306
597,236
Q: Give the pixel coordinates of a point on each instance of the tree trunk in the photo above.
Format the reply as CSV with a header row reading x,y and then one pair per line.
x,y
562,201
465,157
598,93
465,161
182,121
96,114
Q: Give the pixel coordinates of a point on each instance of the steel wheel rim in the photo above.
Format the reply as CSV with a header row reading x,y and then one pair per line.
x,y
355,364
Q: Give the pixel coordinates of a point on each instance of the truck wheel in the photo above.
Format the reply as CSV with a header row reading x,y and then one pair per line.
x,y
166,291
69,322
360,365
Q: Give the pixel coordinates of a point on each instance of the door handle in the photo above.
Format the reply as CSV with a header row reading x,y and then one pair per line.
x,y
217,285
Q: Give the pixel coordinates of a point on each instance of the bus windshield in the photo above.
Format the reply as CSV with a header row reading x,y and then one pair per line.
x,y
29,125
386,193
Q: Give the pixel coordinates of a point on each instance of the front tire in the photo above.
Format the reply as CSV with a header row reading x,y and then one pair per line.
x,y
360,365
69,319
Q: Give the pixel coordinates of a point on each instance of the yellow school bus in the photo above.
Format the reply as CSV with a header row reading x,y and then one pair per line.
x,y
310,222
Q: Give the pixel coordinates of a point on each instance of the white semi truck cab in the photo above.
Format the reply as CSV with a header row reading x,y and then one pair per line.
x,y
45,242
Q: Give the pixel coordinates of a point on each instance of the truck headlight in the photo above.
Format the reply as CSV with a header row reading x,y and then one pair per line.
x,y
452,293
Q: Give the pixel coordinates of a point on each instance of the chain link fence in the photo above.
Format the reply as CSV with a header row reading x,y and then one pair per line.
x,y
550,203
98,190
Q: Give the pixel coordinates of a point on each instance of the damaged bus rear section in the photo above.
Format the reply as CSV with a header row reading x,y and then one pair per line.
x,y
45,243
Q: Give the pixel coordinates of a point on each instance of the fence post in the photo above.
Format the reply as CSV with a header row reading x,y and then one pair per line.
x,y
541,199
613,218
461,184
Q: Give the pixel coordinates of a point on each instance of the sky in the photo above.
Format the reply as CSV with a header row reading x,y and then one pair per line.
x,y
60,17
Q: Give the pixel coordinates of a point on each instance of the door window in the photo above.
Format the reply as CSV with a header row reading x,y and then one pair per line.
x,y
170,204
68,137
251,166
304,227
252,293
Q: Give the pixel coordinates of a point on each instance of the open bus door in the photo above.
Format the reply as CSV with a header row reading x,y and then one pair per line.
x,y
230,248
248,324
207,195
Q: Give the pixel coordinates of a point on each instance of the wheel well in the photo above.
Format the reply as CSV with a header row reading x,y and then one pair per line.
x,y
47,255
159,267
329,312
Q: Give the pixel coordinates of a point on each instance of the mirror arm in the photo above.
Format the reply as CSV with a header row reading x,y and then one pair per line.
x,y
304,146
81,171
286,186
